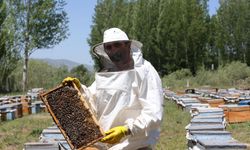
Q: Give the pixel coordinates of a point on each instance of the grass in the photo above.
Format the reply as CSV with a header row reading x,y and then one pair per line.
x,y
235,75
173,133
13,134
240,131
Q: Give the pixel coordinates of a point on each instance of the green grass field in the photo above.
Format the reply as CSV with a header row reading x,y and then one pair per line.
x,y
173,133
13,134
240,131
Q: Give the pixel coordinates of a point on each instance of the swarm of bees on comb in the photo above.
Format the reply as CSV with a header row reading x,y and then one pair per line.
x,y
72,115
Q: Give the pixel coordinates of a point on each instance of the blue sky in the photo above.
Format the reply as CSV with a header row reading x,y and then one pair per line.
x,y
75,47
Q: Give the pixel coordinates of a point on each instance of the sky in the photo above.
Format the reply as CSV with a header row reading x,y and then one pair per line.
x,y
75,47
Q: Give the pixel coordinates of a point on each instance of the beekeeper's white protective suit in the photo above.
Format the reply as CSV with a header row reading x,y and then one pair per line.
x,y
132,98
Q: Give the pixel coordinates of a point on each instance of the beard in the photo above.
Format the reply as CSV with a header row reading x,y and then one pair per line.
x,y
117,57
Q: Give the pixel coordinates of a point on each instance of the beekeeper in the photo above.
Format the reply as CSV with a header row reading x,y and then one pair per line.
x,y
126,95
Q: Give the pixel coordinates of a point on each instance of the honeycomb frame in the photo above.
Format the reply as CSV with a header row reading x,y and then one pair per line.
x,y
88,121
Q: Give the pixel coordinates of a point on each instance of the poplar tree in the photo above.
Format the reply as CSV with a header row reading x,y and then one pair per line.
x,y
9,52
43,24
173,32
181,34
233,31
145,29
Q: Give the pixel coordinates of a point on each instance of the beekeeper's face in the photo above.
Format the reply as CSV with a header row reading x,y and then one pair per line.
x,y
118,52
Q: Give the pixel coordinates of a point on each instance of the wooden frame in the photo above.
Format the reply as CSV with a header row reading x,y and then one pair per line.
x,y
92,119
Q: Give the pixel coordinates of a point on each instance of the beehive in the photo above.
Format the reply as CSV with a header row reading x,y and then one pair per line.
x,y
73,117
26,103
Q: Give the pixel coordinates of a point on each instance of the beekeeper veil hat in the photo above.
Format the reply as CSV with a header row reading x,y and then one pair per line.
x,y
112,35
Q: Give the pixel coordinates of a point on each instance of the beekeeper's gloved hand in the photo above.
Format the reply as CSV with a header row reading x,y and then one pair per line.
x,y
69,80
115,134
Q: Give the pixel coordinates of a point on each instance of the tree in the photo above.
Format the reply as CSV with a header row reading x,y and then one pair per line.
x,y
233,31
108,13
173,32
3,16
9,53
38,72
82,73
181,35
43,24
99,21
144,29
212,53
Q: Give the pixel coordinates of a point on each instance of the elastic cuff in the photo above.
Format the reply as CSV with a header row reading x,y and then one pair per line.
x,y
129,130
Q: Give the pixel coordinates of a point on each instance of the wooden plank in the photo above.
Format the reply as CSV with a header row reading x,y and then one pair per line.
x,y
207,121
198,105
206,111
202,127
64,146
221,116
52,135
41,146
194,136
211,132
189,100
211,135
221,144
51,131
216,102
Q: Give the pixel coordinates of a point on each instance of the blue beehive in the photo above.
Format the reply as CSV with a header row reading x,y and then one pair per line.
x,y
244,102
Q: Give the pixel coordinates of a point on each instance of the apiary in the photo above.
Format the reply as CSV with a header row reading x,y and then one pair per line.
x,y
73,116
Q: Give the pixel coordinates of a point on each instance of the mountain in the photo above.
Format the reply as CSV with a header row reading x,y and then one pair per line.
x,y
64,62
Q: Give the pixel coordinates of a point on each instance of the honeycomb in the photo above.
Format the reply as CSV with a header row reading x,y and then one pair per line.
x,y
73,117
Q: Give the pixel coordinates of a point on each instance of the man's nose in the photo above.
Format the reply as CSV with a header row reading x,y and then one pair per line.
x,y
111,50
112,47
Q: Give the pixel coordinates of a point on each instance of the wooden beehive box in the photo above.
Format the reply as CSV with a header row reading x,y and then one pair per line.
x,y
211,101
26,103
73,116
236,113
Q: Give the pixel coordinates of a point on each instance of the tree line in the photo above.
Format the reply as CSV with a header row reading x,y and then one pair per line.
x,y
43,75
26,26
179,34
